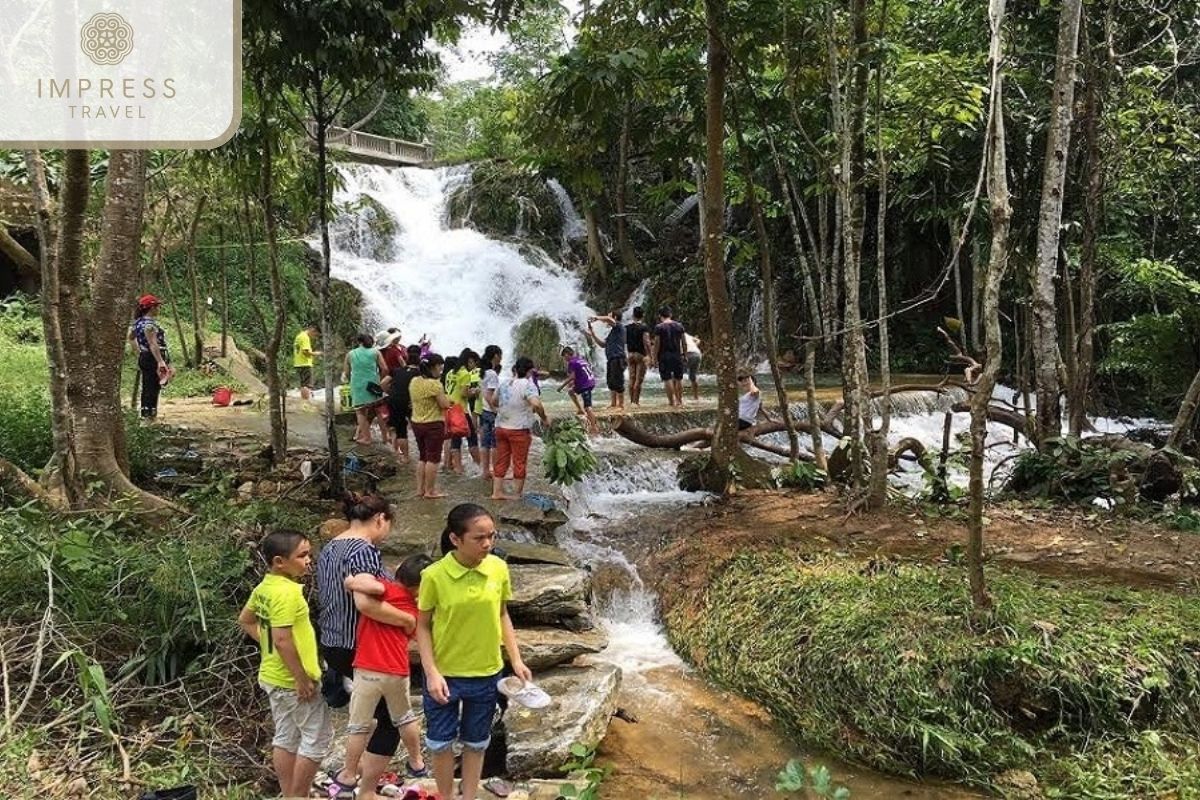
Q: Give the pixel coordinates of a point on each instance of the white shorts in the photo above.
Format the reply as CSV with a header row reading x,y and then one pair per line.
x,y
301,728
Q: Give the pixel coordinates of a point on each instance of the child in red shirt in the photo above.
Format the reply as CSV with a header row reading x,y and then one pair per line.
x,y
381,667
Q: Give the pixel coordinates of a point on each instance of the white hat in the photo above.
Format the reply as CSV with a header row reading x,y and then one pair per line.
x,y
386,339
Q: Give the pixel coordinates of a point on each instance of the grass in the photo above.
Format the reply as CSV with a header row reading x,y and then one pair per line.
x,y
1094,689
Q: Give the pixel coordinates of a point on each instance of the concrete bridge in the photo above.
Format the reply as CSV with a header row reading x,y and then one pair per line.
x,y
373,149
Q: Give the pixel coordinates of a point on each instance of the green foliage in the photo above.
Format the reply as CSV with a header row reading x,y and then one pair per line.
x,y
474,121
25,437
803,475
568,456
818,781
1071,469
582,766
1065,676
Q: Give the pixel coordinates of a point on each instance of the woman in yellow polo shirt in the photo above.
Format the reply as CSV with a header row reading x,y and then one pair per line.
x,y
461,624
429,402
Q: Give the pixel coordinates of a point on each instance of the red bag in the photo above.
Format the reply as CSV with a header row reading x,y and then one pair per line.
x,y
222,395
456,421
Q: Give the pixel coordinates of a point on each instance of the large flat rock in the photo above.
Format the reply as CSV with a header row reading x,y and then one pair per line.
x,y
404,541
528,553
585,699
549,594
541,522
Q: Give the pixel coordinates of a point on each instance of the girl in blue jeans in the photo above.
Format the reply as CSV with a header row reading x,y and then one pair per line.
x,y
462,622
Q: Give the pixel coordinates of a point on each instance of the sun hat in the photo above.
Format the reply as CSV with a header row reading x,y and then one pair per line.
x,y
390,339
525,694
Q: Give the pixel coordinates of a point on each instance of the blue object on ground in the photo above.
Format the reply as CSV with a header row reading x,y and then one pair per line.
x,y
168,472
544,502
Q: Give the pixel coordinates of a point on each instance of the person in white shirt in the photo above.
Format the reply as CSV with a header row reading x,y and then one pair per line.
x,y
518,402
750,402
691,345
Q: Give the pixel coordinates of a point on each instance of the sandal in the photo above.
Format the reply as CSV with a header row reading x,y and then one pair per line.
x,y
413,772
389,785
335,789
498,787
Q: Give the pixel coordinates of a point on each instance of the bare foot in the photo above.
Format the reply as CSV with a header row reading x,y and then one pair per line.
x,y
434,496
501,497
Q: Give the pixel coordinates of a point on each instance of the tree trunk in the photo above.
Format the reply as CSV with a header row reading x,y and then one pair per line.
x,y
1001,214
1096,88
275,390
877,497
58,245
770,326
165,274
323,291
596,260
726,449
849,122
628,257
1058,145
198,309
1181,430
810,397
224,290
701,211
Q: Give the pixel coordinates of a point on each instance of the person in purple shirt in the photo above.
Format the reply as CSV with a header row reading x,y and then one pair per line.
x,y
580,383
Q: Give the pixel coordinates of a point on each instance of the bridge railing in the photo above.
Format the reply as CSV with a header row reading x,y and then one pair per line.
x,y
371,144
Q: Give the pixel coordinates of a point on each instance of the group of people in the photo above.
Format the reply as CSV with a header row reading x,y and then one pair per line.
x,y
399,387
456,607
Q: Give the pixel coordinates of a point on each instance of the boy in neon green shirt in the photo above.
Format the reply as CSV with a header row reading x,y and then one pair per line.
x,y
276,616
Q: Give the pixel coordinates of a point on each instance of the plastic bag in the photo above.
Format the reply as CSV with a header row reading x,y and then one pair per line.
x,y
456,421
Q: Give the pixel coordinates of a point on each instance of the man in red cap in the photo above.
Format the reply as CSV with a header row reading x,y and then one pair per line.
x,y
154,362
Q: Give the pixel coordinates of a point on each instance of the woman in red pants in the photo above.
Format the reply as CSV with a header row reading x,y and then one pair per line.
x,y
519,402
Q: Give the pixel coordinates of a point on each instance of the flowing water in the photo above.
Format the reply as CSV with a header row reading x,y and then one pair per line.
x,y
464,289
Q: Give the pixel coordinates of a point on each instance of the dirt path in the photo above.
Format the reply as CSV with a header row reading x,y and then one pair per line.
x,y
1058,542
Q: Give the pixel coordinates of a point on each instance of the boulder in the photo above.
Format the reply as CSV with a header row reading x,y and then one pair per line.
x,y
540,522
404,540
523,553
543,647
585,698
331,528
549,594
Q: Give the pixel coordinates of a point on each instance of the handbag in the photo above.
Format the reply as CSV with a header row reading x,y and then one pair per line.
x,y
456,422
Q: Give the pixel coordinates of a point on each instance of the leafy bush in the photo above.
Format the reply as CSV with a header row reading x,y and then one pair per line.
x,y
1069,468
568,457
882,665
538,338
803,475
25,436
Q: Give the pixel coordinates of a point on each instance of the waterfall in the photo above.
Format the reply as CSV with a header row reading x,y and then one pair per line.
x,y
574,227
638,298
456,285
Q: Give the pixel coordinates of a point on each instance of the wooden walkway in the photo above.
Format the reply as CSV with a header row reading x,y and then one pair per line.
x,y
372,149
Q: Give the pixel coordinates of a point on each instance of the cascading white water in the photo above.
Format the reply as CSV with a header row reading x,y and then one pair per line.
x,y
454,284
573,225
638,298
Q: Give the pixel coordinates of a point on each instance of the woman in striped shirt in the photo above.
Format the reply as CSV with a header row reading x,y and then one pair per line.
x,y
354,552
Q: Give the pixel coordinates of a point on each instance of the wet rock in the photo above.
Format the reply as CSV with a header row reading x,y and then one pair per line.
x,y
523,553
543,647
404,541
1018,784
1161,478
585,699
538,521
549,594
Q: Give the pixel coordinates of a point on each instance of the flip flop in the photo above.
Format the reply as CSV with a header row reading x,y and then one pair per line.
x,y
529,695
498,787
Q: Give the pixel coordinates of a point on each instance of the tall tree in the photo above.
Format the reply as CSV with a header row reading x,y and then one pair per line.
x,y
1058,145
726,448
1001,216
86,309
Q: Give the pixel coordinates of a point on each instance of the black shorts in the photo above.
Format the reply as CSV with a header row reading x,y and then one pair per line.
x,y
586,396
305,376
670,367
615,375
743,425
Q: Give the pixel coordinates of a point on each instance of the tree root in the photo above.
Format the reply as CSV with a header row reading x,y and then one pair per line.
x,y
16,484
